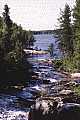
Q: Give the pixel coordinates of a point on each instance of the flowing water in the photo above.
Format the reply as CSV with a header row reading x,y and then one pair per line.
x,y
16,107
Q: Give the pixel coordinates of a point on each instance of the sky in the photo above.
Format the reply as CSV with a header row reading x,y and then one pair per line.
x,y
35,14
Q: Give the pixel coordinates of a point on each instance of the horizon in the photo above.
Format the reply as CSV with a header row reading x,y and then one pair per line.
x,y
22,12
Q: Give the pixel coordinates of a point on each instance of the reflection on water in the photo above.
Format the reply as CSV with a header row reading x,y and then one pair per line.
x,y
44,40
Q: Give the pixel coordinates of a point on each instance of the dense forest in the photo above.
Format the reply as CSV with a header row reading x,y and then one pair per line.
x,y
69,37
14,67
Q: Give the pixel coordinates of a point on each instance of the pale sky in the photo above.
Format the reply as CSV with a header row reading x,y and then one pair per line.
x,y
35,14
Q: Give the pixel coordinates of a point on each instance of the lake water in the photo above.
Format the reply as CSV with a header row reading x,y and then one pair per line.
x,y
43,41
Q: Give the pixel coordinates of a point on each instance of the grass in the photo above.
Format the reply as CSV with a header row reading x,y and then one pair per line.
x,y
77,90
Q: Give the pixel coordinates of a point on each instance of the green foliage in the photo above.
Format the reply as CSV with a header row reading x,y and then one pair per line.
x,y
58,64
65,36
76,60
7,24
1,28
69,36
76,14
30,40
51,49
77,89
67,64
13,61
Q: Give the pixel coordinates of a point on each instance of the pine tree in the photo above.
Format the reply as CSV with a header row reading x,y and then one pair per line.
x,y
1,34
66,42
51,49
13,60
1,28
7,25
30,40
76,15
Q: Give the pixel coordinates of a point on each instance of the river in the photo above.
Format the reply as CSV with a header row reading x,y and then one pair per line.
x,y
16,107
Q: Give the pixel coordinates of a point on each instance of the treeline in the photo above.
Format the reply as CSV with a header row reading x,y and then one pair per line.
x,y
43,32
69,37
14,67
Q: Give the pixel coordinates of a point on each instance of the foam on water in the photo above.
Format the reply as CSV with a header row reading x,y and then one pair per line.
x,y
13,115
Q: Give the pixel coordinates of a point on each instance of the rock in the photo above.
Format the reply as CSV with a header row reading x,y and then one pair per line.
x,y
25,102
47,110
46,81
35,52
75,75
71,99
69,111
43,110
65,92
52,80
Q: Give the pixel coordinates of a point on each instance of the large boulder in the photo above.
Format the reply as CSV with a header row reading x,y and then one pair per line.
x,y
69,111
43,110
50,110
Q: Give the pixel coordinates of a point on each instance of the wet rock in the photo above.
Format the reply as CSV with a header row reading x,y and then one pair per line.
x,y
43,110
69,111
55,108
71,99
26,99
46,81
75,75
66,92
25,102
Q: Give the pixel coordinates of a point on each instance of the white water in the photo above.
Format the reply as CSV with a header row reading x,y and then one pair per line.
x,y
10,109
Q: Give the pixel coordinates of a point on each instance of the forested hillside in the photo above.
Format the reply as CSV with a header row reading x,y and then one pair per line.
x,y
69,37
14,68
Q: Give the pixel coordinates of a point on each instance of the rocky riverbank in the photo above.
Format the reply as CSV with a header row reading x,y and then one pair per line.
x,y
60,102
57,100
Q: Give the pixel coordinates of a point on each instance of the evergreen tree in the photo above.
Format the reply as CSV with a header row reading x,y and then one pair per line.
x,y
1,29
66,42
1,33
51,49
76,15
13,60
7,25
30,40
